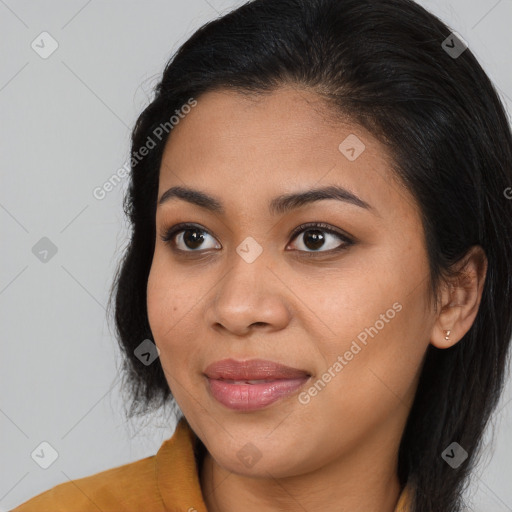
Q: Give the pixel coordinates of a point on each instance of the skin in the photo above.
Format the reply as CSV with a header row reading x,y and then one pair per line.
x,y
339,451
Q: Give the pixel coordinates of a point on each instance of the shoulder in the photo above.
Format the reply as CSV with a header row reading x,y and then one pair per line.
x,y
165,481
127,488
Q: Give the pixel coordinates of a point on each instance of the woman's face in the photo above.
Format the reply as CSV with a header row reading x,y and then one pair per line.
x,y
350,312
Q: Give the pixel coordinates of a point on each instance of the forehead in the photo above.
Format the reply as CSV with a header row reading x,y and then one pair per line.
x,y
247,146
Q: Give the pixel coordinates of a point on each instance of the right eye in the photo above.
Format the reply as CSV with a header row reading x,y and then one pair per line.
x,y
189,236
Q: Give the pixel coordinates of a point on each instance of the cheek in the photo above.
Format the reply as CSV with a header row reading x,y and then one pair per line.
x,y
166,299
163,310
172,312
374,317
365,384
156,300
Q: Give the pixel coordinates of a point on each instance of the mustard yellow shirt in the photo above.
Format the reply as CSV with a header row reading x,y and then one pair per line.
x,y
165,482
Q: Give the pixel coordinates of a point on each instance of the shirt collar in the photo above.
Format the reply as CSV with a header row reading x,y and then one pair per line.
x,y
178,479
177,472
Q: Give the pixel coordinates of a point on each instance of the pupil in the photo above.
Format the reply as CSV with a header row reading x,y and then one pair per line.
x,y
315,237
191,239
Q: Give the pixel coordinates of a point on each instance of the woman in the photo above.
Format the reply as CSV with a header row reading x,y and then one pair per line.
x,y
320,247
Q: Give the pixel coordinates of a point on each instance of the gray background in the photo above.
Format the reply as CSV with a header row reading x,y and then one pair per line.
x,y
65,130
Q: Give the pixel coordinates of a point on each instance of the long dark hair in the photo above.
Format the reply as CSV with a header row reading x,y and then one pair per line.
x,y
383,64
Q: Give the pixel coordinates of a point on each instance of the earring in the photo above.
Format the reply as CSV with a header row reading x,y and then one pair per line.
x,y
447,335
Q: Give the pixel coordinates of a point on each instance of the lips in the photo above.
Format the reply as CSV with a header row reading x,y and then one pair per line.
x,y
252,370
254,384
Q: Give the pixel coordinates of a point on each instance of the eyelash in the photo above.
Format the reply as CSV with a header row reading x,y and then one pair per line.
x,y
169,235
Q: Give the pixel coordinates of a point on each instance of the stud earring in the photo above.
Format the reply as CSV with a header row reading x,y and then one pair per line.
x,y
447,335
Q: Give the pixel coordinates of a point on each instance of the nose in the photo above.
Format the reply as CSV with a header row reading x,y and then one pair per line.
x,y
249,296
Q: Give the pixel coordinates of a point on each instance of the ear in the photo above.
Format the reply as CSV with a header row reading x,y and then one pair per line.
x,y
460,299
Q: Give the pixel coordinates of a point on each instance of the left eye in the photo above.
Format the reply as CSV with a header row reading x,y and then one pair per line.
x,y
314,237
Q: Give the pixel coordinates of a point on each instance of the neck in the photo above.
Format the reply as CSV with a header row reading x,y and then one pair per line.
x,y
365,480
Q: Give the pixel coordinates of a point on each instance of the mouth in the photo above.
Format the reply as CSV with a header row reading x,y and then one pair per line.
x,y
252,384
249,381
252,369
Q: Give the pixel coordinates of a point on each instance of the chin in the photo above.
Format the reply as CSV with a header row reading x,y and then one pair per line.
x,y
262,459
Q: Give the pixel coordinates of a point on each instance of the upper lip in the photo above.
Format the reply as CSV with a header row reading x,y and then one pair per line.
x,y
252,369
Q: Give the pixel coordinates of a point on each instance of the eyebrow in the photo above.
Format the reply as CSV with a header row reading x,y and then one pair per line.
x,y
277,206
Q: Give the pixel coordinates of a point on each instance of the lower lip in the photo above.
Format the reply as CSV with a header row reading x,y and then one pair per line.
x,y
249,397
